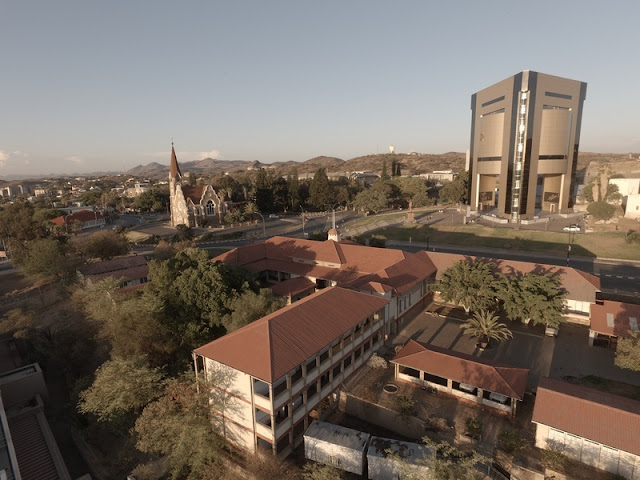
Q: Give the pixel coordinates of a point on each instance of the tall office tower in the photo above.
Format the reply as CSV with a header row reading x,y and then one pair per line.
x,y
525,132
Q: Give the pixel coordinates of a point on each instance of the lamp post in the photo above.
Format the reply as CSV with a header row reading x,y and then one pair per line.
x,y
264,234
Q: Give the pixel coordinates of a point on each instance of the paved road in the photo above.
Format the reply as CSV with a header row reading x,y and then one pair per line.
x,y
616,276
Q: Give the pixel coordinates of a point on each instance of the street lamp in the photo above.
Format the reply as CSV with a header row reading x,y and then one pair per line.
x,y
264,234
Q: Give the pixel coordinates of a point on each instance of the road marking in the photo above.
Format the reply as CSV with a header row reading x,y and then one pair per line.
x,y
619,276
631,278
606,275
597,274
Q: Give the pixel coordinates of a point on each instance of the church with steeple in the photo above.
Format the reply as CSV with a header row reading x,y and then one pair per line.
x,y
193,206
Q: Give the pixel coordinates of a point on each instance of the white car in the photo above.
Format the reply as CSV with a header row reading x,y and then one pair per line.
x,y
572,228
273,215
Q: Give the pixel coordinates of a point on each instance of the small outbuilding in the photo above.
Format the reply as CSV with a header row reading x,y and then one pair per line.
x,y
486,382
612,320
340,447
392,459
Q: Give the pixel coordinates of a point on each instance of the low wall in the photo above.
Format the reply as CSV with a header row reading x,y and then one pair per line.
x,y
409,427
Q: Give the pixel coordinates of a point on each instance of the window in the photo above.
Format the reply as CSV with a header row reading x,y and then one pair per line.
x,y
211,208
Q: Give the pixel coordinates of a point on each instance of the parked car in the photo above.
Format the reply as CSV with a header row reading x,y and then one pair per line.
x,y
572,228
273,215
441,211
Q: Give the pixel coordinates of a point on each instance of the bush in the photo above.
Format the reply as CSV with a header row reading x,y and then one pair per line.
x,y
377,362
511,441
473,427
601,210
405,405
632,237
555,459
379,241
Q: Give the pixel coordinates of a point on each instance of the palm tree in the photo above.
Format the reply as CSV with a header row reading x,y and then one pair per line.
x,y
484,325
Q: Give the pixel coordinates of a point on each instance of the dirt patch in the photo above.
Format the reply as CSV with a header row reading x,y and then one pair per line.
x,y
606,385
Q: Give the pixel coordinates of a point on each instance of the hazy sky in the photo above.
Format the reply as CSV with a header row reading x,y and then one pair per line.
x,y
104,85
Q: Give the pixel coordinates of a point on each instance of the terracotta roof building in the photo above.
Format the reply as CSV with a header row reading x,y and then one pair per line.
x,y
133,271
580,288
612,320
594,427
472,378
278,369
83,218
400,276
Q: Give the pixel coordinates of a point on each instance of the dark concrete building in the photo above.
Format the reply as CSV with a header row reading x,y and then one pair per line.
x,y
525,132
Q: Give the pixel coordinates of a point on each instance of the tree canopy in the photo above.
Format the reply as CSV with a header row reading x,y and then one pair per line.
x,y
47,258
471,284
320,192
628,352
485,325
103,244
456,191
536,297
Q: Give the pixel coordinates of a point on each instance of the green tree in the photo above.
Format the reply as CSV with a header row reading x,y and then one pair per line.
x,y
103,244
18,228
177,427
249,307
293,189
457,190
628,352
370,201
91,197
191,179
470,284
122,386
384,175
21,323
537,297
485,326
413,188
47,258
264,196
601,210
153,200
250,210
320,192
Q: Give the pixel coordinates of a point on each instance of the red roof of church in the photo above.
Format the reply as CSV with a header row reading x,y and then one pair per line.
x,y
174,168
274,345
194,193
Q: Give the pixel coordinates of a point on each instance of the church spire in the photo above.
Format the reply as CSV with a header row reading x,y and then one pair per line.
x,y
174,168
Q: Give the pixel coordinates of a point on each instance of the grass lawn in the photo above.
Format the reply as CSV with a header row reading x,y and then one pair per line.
x,y
596,244
137,237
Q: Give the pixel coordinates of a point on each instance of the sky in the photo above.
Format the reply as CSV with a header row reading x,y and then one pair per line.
x,y
88,85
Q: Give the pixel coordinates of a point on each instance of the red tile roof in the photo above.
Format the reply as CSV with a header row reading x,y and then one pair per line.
x,y
79,216
578,285
113,265
292,286
133,273
194,193
459,367
598,416
274,345
615,318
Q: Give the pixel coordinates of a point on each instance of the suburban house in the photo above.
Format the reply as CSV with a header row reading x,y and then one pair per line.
x,y
593,427
340,447
83,218
581,289
401,277
274,376
133,271
612,320
470,378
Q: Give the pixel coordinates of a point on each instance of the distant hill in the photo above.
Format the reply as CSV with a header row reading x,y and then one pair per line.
x,y
410,164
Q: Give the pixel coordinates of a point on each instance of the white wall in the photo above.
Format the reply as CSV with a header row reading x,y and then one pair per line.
x,y
335,455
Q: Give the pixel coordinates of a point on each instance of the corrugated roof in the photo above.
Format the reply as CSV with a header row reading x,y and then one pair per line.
x,y
459,367
624,316
113,265
79,216
274,345
133,273
292,286
598,416
578,285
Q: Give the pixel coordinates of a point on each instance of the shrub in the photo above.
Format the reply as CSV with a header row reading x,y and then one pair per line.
x,y
632,237
379,241
473,427
405,405
377,362
601,210
511,441
555,459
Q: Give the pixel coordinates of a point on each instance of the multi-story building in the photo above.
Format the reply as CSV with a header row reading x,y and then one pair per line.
x,y
273,376
525,133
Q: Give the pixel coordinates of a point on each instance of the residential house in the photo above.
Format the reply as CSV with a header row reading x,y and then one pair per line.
x,y
470,378
133,271
275,375
612,320
83,218
591,426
